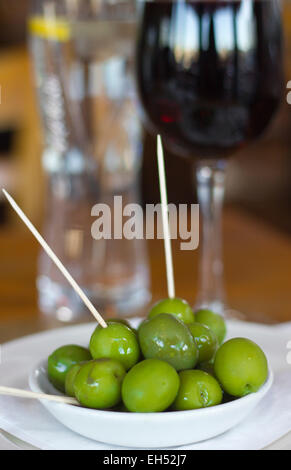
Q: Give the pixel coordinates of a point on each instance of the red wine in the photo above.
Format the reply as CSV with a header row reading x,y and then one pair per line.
x,y
209,73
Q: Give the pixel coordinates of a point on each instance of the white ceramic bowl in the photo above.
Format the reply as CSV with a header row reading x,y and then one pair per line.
x,y
147,430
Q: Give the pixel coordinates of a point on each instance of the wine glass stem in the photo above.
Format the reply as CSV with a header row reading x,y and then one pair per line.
x,y
210,180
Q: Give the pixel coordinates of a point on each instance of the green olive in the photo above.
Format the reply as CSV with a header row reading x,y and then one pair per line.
x,y
150,386
197,390
167,338
241,367
177,307
214,321
98,383
70,379
61,360
205,340
117,341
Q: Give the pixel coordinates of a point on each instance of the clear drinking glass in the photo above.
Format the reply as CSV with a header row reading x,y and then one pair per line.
x,y
83,57
210,79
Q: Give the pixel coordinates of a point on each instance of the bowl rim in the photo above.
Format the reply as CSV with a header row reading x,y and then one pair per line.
x,y
255,396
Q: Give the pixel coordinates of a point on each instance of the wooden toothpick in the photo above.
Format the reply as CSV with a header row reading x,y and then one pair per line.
x,y
55,259
17,392
165,220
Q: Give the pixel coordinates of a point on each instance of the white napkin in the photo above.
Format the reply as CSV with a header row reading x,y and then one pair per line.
x,y
29,421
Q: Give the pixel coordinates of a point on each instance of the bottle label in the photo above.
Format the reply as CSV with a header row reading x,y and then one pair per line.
x,y
50,28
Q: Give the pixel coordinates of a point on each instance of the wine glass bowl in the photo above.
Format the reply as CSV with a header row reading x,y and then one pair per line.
x,y
208,73
209,76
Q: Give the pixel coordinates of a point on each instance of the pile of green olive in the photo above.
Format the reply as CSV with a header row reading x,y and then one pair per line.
x,y
176,360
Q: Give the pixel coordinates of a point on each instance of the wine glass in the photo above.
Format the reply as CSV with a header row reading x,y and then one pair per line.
x,y
209,76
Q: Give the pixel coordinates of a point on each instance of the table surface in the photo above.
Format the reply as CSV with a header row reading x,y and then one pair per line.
x,y
257,277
